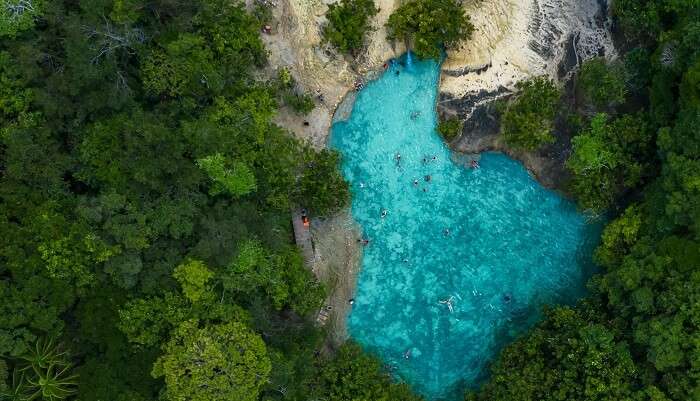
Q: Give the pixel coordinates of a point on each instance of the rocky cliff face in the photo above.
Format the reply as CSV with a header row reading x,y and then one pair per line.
x,y
515,40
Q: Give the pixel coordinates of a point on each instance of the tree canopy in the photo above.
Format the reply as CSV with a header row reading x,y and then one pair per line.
x,y
428,25
348,22
527,120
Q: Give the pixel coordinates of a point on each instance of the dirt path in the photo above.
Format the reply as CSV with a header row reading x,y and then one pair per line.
x,y
337,264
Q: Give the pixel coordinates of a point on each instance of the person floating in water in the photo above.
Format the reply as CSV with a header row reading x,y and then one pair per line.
x,y
474,164
407,354
362,185
507,298
434,158
384,212
428,178
415,115
448,302
397,157
415,183
446,232
363,241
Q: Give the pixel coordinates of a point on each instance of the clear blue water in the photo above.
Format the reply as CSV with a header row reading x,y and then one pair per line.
x,y
512,245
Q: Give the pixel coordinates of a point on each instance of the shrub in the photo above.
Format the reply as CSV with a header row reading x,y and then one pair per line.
x,y
348,21
301,103
527,120
450,128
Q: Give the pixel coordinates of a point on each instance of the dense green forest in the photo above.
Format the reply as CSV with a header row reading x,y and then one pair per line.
x,y
145,193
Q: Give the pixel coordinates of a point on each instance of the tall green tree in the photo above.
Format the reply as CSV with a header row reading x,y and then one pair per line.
x,y
226,361
527,120
428,25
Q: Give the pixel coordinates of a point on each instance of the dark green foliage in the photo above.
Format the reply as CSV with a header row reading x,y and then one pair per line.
x,y
567,357
643,308
226,361
352,375
603,83
427,25
609,158
348,21
322,189
302,104
450,128
527,120
138,159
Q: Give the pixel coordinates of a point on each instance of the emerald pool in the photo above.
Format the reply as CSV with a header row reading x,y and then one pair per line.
x,y
459,260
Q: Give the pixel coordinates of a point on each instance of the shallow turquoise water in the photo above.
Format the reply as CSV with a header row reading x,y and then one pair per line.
x,y
512,245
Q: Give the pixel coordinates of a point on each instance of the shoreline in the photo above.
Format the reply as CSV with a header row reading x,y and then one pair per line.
x,y
472,77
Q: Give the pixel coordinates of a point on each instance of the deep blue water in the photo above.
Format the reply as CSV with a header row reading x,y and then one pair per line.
x,y
491,240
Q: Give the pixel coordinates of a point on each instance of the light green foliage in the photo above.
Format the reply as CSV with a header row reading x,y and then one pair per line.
x,y
527,120
236,180
193,277
608,158
619,236
353,375
450,128
603,83
15,98
427,25
147,321
322,189
348,21
281,277
126,11
18,15
216,362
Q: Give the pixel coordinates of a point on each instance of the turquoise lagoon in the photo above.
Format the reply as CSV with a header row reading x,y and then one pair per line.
x,y
463,260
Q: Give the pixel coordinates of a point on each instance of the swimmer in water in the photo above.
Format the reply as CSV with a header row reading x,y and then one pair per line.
x,y
428,178
384,212
415,183
446,231
362,185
